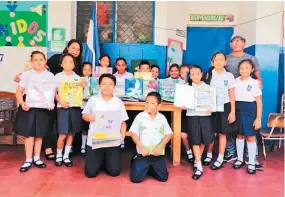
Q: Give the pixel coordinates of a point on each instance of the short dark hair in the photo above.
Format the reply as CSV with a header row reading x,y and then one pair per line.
x,y
85,63
107,75
155,66
144,62
121,58
156,95
217,53
248,61
174,66
70,55
105,55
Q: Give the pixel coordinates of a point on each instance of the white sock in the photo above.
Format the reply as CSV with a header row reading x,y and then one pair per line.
x,y
66,152
209,157
37,160
59,154
240,148
251,146
220,158
123,144
189,153
199,167
27,164
84,139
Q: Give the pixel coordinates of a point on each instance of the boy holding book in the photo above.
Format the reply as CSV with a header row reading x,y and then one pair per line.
x,y
151,132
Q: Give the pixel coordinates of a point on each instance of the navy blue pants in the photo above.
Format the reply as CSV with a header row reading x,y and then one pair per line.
x,y
154,166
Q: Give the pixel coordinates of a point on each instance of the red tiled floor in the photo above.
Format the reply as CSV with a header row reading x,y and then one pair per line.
x,y
71,182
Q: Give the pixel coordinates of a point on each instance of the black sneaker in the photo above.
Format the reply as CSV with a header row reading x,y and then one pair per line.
x,y
229,158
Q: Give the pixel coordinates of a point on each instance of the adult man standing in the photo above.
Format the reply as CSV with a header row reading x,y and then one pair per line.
x,y
237,44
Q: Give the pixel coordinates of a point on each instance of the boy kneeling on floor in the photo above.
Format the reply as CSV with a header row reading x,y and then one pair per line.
x,y
151,132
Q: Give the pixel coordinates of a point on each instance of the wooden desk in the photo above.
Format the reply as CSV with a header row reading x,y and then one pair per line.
x,y
176,125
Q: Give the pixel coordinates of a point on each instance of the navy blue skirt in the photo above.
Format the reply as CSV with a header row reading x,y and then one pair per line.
x,y
69,120
245,116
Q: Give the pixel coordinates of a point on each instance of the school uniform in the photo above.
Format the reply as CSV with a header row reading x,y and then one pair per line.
x,y
222,82
150,133
36,122
110,157
120,82
245,93
200,130
68,120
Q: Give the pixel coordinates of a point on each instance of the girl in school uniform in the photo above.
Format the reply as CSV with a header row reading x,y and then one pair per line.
x,y
200,130
109,157
69,121
155,72
184,75
248,112
87,72
104,60
223,120
174,71
33,123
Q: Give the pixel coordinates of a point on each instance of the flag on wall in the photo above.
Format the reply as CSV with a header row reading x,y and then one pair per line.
x,y
92,54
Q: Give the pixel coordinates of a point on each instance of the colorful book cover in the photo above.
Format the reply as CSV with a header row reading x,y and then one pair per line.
x,y
71,92
149,86
134,87
166,88
143,75
92,87
205,99
102,70
106,129
151,139
40,95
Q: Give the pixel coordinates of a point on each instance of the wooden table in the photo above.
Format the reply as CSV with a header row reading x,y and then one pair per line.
x,y
176,124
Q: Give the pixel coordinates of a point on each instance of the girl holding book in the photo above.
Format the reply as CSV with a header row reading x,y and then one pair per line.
x,y
107,156
200,132
184,75
31,122
249,111
69,121
224,118
86,71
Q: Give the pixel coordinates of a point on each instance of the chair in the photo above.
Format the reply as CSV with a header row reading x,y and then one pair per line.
x,y
276,123
8,108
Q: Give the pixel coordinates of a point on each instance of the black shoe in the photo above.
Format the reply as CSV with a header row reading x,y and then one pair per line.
x,y
238,164
83,154
197,176
251,171
25,169
214,167
206,163
58,163
50,156
229,158
42,165
67,163
259,167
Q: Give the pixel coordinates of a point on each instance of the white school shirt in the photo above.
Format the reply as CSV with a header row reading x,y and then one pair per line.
x,y
180,81
191,112
63,77
150,131
247,90
120,83
223,82
31,75
97,103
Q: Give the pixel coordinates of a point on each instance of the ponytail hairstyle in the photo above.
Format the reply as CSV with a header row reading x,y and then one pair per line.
x,y
194,66
208,75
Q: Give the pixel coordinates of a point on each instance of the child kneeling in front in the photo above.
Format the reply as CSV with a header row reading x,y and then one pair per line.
x,y
107,156
151,132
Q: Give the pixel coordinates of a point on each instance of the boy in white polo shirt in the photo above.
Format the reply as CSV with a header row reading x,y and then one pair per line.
x,y
151,132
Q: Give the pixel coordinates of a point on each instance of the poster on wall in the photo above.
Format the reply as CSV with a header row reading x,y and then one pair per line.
x,y
57,43
23,24
174,53
211,17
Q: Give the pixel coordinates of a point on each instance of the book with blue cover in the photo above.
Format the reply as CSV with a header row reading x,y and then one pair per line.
x,y
134,88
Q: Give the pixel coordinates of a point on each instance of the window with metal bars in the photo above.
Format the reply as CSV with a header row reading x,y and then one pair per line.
x,y
121,22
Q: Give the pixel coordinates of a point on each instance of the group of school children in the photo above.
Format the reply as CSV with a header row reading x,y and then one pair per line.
x,y
240,112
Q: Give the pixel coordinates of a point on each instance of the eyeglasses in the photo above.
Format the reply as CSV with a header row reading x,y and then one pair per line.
x,y
237,41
